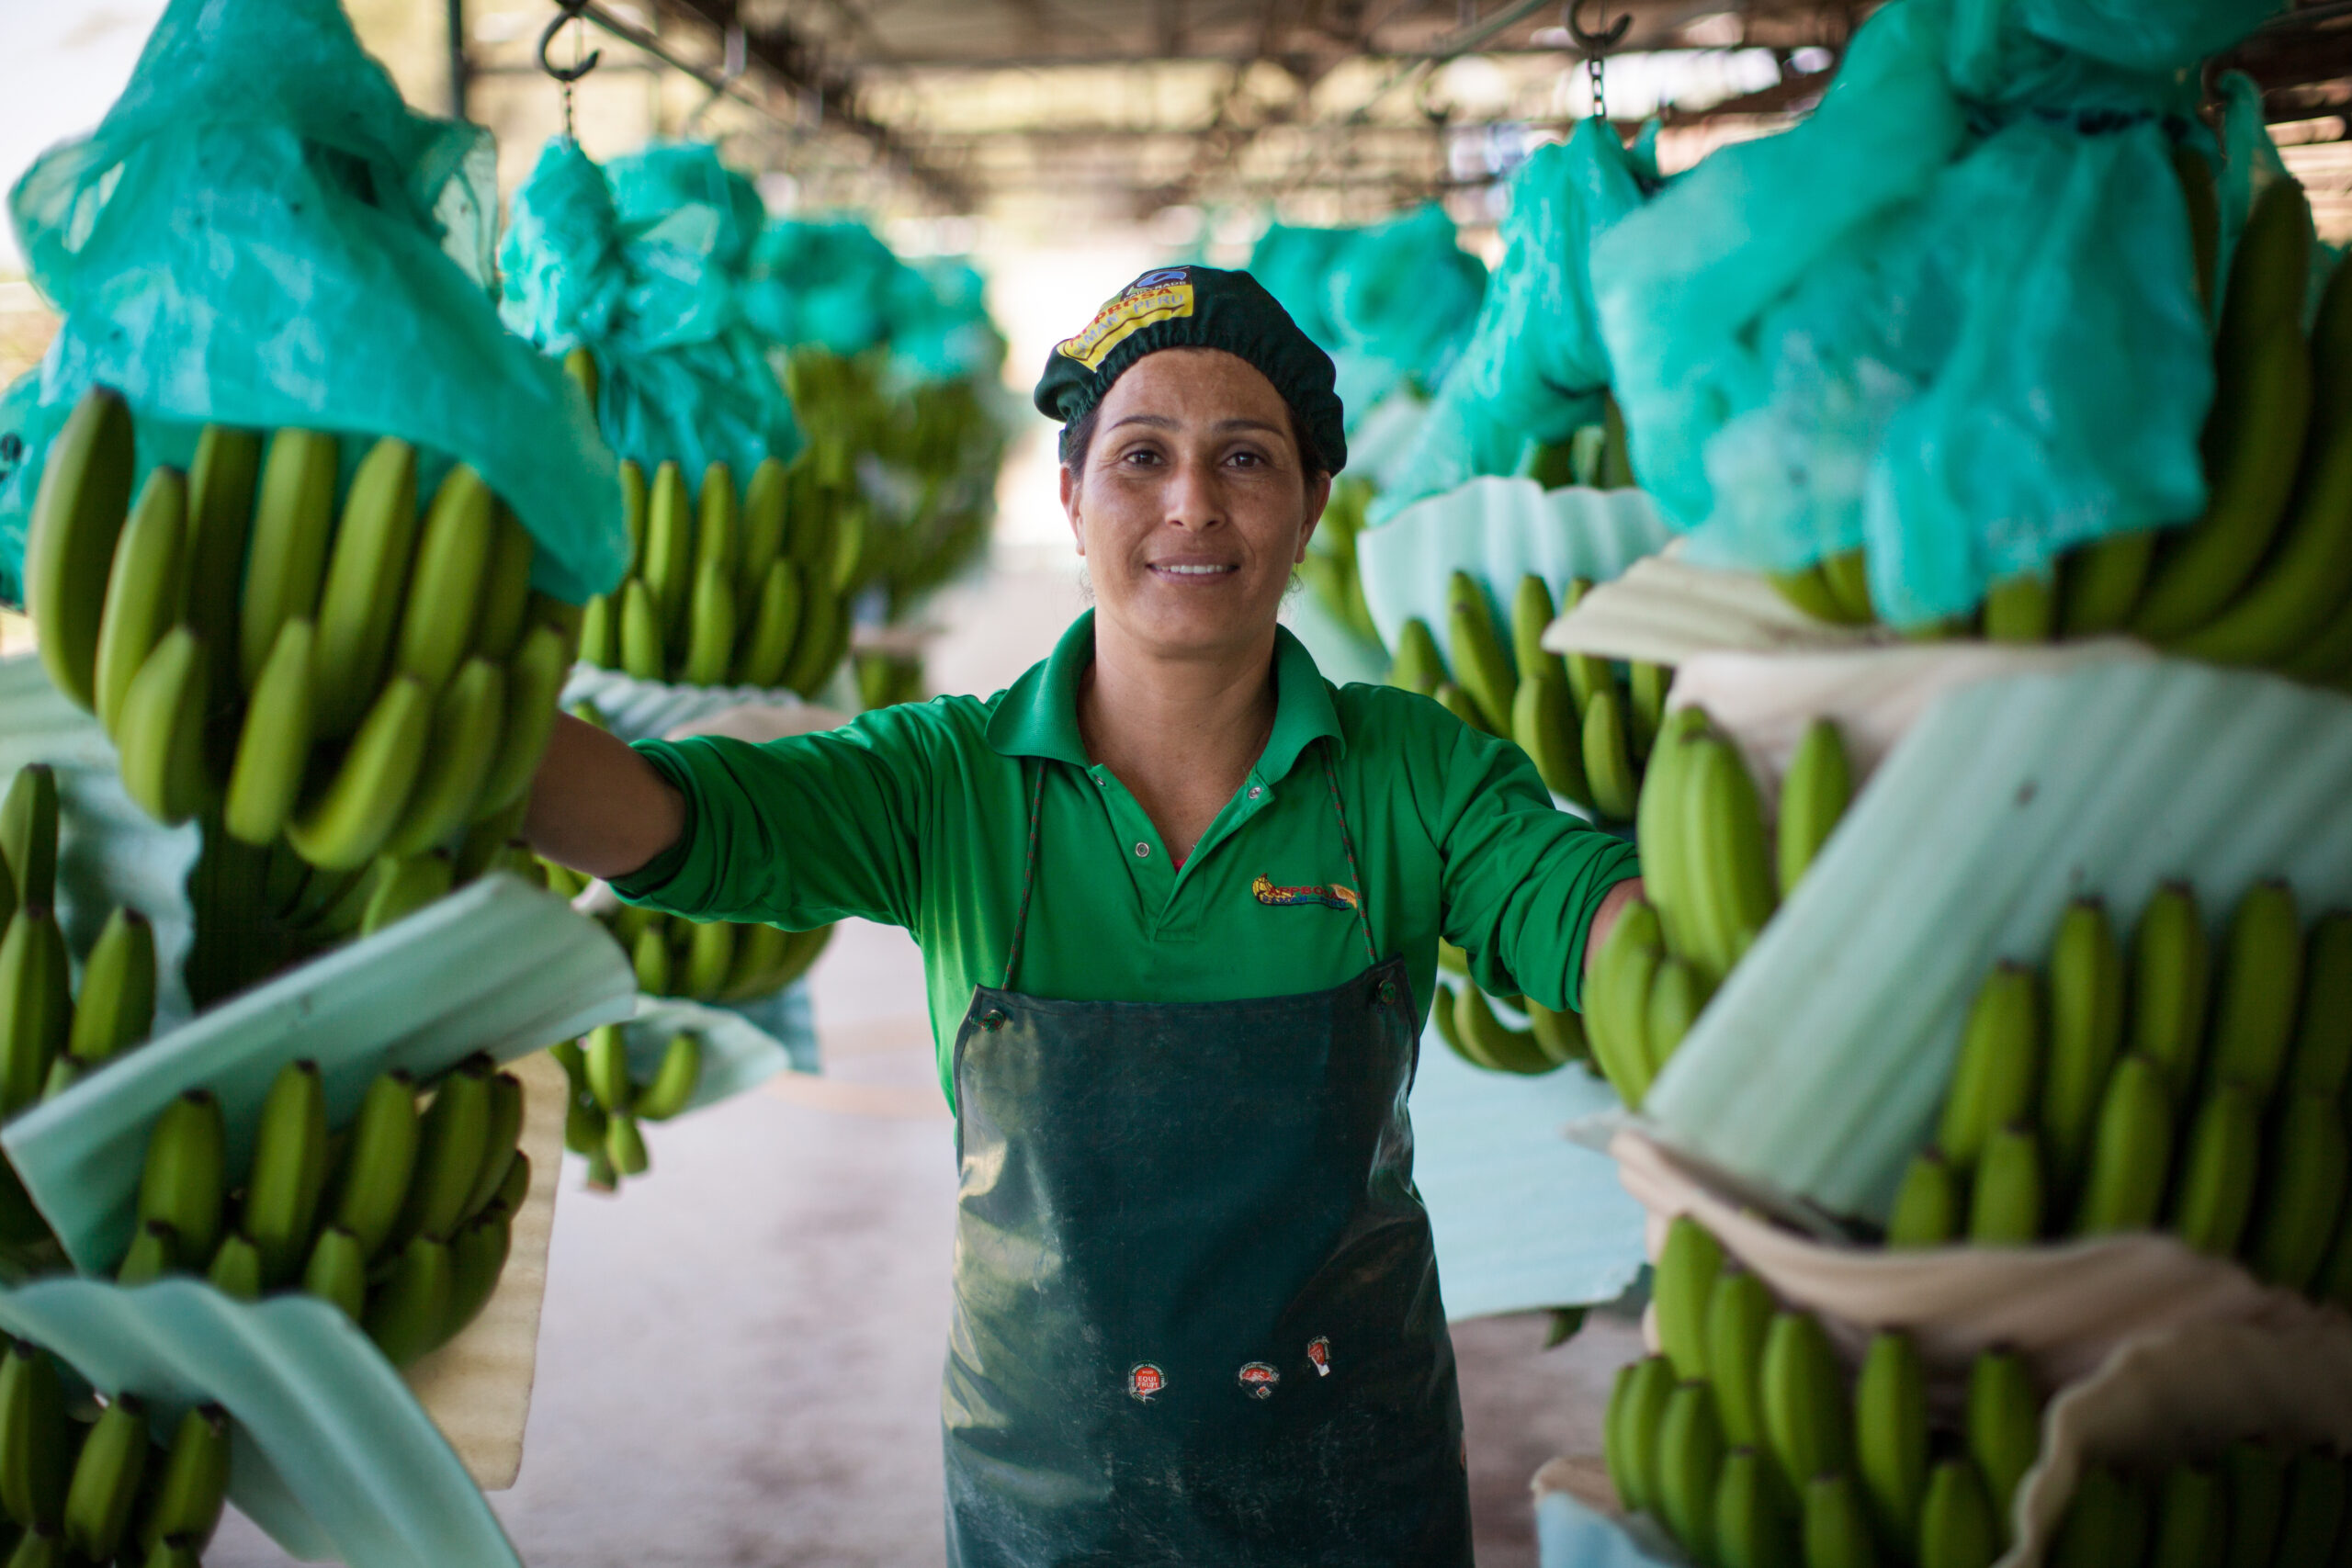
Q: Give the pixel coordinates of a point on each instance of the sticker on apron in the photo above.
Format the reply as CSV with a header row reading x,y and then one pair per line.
x,y
1259,1380
1319,1351
1144,1380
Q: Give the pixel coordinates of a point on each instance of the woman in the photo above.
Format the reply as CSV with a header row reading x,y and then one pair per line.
x,y
1179,901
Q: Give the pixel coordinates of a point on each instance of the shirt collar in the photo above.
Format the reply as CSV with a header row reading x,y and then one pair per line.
x,y
1037,715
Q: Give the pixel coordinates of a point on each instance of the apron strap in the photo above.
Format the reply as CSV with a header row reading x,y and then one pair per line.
x,y
1347,842
1028,879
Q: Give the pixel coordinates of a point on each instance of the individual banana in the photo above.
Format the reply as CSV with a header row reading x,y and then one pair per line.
x,y
674,1081
1728,873
1609,757
469,727
107,1477
155,1252
633,499
715,524
2091,1534
1836,1531
77,517
1617,1001
642,652
1690,1465
1683,1289
2304,1179
366,583
1807,1424
2192,1519
36,1005
2307,571
451,1140
2261,979
534,682
273,752
221,483
36,1444
1891,1436
378,1159
2171,983
2085,996
160,731
1492,1044
2003,1429
2261,414
407,1314
146,589
287,558
1846,576
2130,1154
599,635
236,1270
436,627
2320,1060
670,525
1559,1035
500,1150
760,951
1461,706
773,619
2099,584
1636,1433
1928,1207
2253,1474
477,1257
1751,1531
2022,609
1739,1314
1530,616
1614,1452
337,1272
1587,674
2005,1206
28,825
1677,995
184,1179
189,1491
1418,666
1543,723
346,826
2313,1519
1958,1525
2220,1164
710,953
505,588
761,533
625,1145
710,627
649,956
290,1170
1999,1070
1814,793
1659,825
1646,687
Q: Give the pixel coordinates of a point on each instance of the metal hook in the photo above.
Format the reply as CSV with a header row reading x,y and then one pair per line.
x,y
1591,42
571,12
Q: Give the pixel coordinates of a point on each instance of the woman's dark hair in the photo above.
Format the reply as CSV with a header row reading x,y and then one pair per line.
x,y
1078,438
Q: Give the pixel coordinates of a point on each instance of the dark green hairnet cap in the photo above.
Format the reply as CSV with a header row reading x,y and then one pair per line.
x,y
1196,306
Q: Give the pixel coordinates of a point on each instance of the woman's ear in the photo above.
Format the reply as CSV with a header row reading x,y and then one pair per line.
x,y
1069,507
1318,496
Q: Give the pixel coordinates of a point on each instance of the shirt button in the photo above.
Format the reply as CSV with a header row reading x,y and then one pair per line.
x,y
1142,848
1255,792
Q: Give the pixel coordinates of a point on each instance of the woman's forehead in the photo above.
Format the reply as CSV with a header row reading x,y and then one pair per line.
x,y
1195,386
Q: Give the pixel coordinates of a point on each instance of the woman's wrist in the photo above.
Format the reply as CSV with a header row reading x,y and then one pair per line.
x,y
1604,918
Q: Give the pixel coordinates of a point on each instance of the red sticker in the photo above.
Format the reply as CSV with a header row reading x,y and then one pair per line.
x,y
1318,1350
1144,1380
1260,1379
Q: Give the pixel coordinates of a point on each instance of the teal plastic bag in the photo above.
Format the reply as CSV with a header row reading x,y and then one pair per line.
x,y
1950,316
1405,293
261,234
1292,262
644,262
1536,367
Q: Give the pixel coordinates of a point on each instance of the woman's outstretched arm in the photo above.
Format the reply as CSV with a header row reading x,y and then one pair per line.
x,y
598,806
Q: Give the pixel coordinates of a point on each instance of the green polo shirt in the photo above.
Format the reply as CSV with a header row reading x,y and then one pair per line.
x,y
917,816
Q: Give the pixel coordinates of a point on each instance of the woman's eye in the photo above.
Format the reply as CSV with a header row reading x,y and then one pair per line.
x,y
1248,459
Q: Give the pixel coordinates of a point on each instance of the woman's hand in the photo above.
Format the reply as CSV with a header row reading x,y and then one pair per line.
x,y
598,806
1604,920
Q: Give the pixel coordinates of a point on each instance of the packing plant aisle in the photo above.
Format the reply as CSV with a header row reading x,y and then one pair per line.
x,y
739,1362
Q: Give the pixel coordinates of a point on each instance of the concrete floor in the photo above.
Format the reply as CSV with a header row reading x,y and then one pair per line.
x,y
740,1355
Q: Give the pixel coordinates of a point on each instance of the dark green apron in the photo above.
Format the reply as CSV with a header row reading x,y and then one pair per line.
x,y
1196,1308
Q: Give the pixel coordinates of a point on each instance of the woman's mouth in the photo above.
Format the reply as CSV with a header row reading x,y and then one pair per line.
x,y
1195,571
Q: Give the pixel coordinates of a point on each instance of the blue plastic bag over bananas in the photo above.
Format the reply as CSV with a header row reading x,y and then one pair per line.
x,y
831,283
1953,315
261,234
1535,368
644,262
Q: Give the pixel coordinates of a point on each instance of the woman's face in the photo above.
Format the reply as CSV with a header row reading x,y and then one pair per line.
x,y
1193,506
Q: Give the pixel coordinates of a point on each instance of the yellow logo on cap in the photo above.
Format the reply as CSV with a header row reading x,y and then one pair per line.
x,y
1135,308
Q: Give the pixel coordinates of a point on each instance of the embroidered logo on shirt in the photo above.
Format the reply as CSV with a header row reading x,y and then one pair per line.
x,y
1331,897
1259,1380
1158,296
1144,1380
1319,1352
